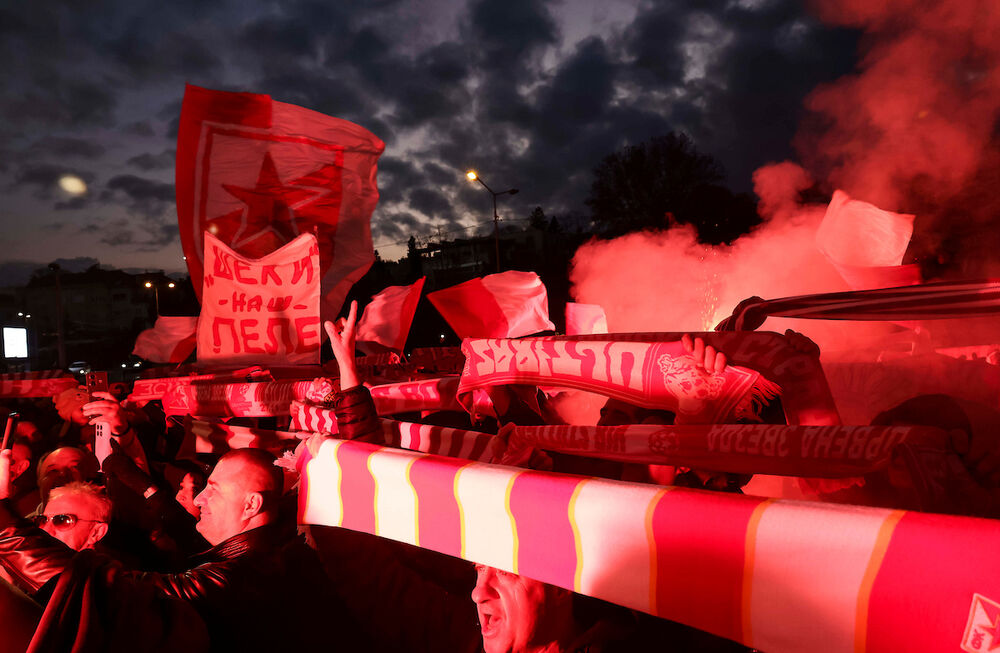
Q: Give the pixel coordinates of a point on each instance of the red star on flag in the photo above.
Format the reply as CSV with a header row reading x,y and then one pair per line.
x,y
268,219
257,173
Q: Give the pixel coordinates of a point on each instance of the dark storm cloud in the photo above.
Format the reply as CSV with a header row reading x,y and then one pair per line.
x,y
441,175
496,87
64,103
64,146
171,113
159,236
139,128
507,33
396,177
777,57
150,202
163,54
118,238
394,228
432,203
145,237
148,161
143,196
746,107
318,91
578,97
297,31
72,204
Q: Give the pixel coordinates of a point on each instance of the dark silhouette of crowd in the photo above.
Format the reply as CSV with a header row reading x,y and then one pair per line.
x,y
145,551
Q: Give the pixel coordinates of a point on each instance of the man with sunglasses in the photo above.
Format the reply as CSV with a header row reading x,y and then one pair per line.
x,y
255,567
77,515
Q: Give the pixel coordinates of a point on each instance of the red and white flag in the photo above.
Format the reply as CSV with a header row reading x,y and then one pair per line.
x,y
585,319
385,322
261,311
256,173
505,305
171,340
866,244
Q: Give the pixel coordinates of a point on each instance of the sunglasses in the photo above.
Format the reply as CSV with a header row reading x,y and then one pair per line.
x,y
62,521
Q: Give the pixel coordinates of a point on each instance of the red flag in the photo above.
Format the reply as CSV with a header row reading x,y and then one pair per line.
x,y
386,320
256,173
505,305
171,340
585,319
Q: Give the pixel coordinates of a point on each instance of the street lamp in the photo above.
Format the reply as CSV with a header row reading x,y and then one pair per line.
x,y
156,293
472,176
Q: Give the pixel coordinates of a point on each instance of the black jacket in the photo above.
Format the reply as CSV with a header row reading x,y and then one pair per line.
x,y
260,590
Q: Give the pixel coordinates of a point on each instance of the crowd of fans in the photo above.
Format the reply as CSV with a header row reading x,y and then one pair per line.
x,y
144,551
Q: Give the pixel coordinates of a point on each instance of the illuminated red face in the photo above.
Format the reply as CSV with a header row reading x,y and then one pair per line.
x,y
189,488
223,503
511,610
74,520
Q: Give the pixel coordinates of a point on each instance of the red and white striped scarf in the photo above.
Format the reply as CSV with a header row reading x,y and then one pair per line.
x,y
653,374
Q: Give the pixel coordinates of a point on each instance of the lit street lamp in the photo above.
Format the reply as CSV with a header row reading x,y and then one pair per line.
x,y
156,293
472,176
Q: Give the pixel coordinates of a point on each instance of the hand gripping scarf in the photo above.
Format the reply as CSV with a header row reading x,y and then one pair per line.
x,y
648,374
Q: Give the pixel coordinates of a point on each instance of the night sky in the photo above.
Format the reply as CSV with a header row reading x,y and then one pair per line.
x,y
531,94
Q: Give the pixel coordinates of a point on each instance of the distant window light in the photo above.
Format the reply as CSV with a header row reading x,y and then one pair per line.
x,y
15,342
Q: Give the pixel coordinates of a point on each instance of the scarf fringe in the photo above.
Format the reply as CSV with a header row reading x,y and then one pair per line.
x,y
753,403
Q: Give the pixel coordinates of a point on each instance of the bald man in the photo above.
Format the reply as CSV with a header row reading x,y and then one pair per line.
x,y
253,572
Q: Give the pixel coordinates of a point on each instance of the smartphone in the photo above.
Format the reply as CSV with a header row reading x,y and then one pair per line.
x,y
11,425
98,382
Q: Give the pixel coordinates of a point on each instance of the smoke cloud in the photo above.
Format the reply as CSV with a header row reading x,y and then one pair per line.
x,y
916,129
668,281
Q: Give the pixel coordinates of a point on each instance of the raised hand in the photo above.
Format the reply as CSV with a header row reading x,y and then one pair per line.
x,y
106,409
342,334
706,358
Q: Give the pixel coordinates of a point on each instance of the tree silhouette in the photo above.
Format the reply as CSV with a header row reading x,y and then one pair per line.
x,y
537,218
666,180
413,258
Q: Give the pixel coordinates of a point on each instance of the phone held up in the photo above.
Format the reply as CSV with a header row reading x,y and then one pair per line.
x,y
98,382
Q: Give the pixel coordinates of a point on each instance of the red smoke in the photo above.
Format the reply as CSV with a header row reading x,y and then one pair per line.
x,y
667,281
913,130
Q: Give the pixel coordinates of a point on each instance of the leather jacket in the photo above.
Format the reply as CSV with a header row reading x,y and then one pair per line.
x,y
356,416
239,587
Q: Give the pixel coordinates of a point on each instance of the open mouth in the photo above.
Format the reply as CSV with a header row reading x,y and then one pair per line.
x,y
489,623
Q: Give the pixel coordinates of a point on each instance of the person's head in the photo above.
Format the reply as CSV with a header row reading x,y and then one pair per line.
x,y
518,614
65,465
20,456
241,494
29,431
190,486
77,515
